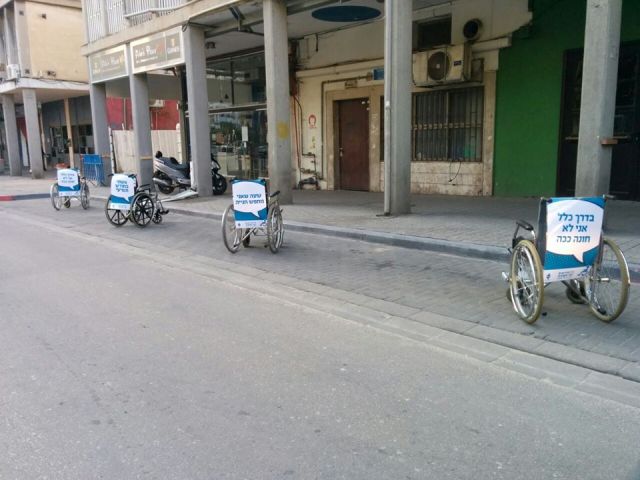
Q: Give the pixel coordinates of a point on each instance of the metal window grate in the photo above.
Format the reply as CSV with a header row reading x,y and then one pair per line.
x,y
447,125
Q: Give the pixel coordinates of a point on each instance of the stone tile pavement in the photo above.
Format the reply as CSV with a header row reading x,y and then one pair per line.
x,y
462,221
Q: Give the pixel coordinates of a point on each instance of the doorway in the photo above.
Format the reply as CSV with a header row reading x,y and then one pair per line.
x,y
353,144
625,161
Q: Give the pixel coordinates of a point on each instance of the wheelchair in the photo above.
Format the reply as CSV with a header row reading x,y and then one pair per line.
x,y
128,201
554,252
70,184
238,225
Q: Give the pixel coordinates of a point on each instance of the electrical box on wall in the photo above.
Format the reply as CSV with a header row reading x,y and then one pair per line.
x,y
442,65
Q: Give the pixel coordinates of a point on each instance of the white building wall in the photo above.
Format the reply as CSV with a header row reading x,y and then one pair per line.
x,y
338,65
167,141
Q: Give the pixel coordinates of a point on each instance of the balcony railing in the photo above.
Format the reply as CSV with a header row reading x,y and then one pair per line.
x,y
106,17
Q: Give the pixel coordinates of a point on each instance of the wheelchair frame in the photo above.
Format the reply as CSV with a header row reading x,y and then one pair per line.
x,y
273,228
605,287
145,207
83,195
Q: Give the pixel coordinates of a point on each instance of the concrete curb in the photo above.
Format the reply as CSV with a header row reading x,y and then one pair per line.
x,y
487,252
23,196
461,249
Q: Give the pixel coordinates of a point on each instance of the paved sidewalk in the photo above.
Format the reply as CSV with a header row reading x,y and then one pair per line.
x,y
481,227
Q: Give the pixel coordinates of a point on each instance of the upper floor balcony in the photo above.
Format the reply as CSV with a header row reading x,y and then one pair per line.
x,y
107,17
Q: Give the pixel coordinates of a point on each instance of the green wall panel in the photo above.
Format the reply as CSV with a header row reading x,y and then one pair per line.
x,y
529,92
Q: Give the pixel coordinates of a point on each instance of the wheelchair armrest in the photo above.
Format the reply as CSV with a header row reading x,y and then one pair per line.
x,y
525,225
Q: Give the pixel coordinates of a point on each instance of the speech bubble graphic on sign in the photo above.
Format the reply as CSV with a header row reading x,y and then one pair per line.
x,y
67,177
574,226
249,197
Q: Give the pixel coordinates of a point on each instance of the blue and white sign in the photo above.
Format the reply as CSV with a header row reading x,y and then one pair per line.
x,y
68,183
122,190
249,203
574,227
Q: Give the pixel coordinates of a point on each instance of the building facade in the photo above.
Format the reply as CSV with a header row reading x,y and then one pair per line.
x,y
295,90
538,104
42,70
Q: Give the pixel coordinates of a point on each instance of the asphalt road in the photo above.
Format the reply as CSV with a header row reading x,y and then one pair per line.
x,y
117,364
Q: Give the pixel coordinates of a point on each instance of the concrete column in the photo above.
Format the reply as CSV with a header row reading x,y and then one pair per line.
x,y
33,132
98,97
9,36
276,51
104,16
3,46
142,127
67,117
182,110
11,133
598,103
198,102
397,107
22,37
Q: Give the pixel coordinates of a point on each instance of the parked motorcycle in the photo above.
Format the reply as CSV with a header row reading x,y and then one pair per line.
x,y
169,174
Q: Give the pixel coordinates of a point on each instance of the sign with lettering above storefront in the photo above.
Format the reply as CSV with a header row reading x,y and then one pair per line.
x,y
162,50
108,64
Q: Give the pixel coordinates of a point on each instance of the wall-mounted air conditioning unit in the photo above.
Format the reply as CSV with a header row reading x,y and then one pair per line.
x,y
442,65
13,71
156,103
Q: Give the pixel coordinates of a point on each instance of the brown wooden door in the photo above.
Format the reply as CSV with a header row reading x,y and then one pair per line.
x,y
353,143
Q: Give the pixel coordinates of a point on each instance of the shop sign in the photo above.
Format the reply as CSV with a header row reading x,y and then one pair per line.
x,y
158,51
108,64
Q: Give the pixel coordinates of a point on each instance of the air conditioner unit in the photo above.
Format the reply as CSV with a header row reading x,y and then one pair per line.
x,y
13,71
442,65
156,104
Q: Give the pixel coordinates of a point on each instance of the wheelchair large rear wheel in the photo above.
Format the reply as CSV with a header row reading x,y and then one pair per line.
x,y
56,200
231,236
608,282
84,195
142,210
275,228
526,283
116,217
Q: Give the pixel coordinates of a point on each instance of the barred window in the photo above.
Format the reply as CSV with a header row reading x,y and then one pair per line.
x,y
447,125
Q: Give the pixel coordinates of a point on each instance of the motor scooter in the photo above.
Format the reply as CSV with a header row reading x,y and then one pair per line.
x,y
169,174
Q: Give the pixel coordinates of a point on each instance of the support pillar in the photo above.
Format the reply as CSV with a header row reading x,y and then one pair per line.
x,y
598,102
67,119
198,103
397,107
11,133
98,97
33,132
9,36
276,51
142,127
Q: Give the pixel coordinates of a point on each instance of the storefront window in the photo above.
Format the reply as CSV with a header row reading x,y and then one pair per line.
x,y
239,142
237,113
237,81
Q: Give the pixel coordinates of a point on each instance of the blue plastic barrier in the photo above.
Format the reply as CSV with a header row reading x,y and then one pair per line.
x,y
93,169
